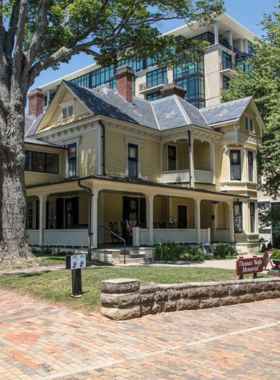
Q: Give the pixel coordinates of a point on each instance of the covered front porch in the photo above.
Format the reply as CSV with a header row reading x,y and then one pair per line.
x,y
67,215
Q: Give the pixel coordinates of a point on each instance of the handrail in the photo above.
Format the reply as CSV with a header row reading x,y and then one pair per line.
x,y
119,237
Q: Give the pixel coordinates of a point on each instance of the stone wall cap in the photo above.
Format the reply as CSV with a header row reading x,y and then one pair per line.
x,y
120,281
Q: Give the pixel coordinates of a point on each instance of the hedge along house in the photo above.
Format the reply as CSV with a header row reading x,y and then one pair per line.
x,y
101,156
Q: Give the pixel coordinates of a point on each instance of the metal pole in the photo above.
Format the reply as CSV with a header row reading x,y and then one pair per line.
x,y
76,283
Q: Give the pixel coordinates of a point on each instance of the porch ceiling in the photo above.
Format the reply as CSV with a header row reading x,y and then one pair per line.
x,y
128,184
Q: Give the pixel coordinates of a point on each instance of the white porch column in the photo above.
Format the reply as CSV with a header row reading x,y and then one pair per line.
x,y
231,222
216,33
42,217
212,161
213,221
191,160
230,38
150,217
94,218
197,219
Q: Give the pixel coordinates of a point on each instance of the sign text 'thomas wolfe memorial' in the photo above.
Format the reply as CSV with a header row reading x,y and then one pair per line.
x,y
252,265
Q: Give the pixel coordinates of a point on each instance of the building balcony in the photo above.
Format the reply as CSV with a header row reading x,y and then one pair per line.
x,y
152,85
228,69
183,176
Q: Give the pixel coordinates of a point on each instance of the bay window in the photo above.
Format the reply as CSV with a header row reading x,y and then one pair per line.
x,y
235,165
238,217
252,217
251,166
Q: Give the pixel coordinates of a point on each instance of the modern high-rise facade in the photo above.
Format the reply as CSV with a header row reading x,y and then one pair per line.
x,y
230,45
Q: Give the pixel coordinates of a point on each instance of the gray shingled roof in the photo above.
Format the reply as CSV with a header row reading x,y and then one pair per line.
x,y
32,126
41,143
226,111
167,113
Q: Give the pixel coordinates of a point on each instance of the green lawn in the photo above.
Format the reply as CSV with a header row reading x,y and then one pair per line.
x,y
56,286
56,260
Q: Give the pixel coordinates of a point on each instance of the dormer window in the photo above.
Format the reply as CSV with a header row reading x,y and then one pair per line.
x,y
249,124
67,111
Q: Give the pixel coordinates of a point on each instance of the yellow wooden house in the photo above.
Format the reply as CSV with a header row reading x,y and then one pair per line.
x,y
100,159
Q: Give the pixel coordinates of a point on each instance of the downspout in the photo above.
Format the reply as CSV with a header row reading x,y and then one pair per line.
x,y
88,189
190,152
103,148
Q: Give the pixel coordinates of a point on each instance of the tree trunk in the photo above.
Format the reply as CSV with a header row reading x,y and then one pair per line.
x,y
14,249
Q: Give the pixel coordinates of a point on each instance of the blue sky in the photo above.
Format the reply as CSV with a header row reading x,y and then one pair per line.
x,y
247,12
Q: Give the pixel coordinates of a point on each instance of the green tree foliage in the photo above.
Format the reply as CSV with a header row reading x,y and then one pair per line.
x,y
263,83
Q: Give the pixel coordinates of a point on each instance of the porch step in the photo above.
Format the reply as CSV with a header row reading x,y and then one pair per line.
x,y
116,256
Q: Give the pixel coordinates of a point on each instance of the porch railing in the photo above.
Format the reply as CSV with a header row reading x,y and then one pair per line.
x,y
180,236
203,176
64,238
180,176
176,176
33,237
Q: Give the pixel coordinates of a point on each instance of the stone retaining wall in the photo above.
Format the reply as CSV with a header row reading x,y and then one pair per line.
x,y
124,298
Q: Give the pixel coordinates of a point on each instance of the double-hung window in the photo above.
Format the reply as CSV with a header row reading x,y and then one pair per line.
x,y
238,217
235,165
252,218
249,124
72,160
67,111
133,160
251,166
172,158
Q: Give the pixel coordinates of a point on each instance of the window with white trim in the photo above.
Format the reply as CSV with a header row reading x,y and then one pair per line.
x,y
29,215
67,111
252,217
133,161
235,165
238,217
251,166
72,160
249,124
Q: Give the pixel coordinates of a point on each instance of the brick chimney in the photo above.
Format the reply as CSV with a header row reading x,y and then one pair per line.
x,y
173,89
124,77
36,102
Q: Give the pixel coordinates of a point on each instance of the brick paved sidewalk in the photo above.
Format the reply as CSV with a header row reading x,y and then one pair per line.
x,y
42,341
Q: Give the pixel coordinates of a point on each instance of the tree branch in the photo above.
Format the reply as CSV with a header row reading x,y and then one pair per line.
x,y
12,27
40,29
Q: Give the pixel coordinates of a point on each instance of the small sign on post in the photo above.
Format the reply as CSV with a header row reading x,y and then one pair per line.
x,y
252,265
76,263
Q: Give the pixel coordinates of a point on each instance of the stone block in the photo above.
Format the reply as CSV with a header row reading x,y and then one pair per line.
x,y
147,298
276,294
189,304
254,287
161,295
156,309
260,296
219,291
268,286
174,294
230,300
199,292
146,310
246,298
238,290
208,303
121,285
120,301
169,306
121,314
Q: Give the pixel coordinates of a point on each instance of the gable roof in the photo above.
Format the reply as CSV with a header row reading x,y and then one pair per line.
x,y
31,124
162,114
226,111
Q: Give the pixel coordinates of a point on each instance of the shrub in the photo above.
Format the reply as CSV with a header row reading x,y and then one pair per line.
x,y
275,254
223,251
168,251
